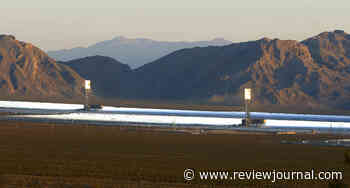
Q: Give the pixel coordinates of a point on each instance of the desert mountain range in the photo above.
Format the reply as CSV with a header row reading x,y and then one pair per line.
x,y
314,72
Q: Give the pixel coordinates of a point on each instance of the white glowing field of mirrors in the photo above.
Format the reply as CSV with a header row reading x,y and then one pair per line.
x,y
108,115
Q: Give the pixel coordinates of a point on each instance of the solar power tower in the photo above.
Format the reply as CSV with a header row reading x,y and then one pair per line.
x,y
247,99
87,93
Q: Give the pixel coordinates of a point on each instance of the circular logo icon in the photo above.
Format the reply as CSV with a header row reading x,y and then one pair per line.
x,y
189,174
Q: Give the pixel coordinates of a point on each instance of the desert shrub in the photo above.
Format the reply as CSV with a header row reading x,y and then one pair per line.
x,y
347,157
337,184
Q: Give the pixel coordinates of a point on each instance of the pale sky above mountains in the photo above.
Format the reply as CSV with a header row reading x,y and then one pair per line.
x,y
53,25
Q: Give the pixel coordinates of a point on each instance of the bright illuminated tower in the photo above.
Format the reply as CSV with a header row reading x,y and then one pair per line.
x,y
247,99
87,93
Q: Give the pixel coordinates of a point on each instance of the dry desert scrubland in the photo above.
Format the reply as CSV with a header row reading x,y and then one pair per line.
x,y
36,155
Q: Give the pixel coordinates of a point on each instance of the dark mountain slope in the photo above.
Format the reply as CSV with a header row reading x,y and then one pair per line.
x,y
108,75
195,72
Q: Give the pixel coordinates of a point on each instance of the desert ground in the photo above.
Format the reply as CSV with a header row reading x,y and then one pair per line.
x,y
53,155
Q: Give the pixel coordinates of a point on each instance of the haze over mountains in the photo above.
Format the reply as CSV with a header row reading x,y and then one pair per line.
x,y
134,52
314,72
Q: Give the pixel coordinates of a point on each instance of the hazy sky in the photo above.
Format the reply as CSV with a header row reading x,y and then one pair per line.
x,y
61,24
